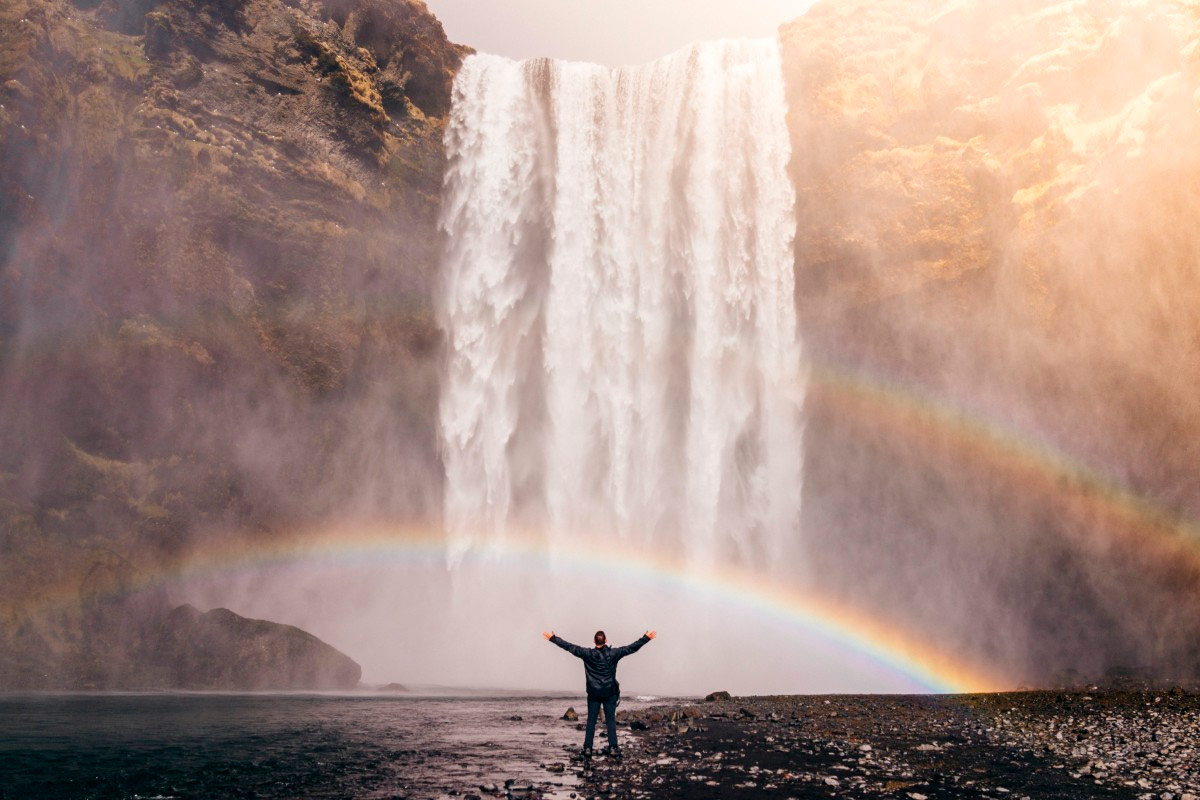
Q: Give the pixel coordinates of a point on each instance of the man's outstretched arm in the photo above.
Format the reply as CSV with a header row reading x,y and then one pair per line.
x,y
573,649
621,652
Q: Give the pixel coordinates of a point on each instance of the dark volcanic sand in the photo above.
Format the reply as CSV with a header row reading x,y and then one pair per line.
x,y
1020,745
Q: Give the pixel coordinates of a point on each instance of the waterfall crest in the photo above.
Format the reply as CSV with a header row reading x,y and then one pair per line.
x,y
622,350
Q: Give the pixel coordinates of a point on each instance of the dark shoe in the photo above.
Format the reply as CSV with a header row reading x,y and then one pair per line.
x,y
585,753
613,754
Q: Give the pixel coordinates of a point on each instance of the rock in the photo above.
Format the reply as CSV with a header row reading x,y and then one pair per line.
x,y
392,687
570,715
14,88
557,766
715,696
222,650
187,72
160,38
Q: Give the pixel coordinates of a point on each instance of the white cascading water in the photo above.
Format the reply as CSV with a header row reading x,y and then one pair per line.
x,y
623,358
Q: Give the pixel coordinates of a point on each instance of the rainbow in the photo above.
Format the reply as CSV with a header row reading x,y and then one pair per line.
x,y
1103,506
880,408
871,639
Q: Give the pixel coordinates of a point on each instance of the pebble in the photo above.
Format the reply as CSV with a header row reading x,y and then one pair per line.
x,y
954,746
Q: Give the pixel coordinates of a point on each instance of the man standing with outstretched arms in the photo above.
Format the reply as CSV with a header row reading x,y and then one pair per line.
x,y
600,670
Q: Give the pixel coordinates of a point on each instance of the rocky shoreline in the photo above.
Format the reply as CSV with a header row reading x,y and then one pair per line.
x,y
1046,744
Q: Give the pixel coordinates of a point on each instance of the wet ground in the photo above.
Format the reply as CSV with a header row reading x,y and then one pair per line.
x,y
1032,745
280,746
1037,745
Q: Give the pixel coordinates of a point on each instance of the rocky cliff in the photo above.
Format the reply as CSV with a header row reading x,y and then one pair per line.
x,y
218,245
996,265
217,242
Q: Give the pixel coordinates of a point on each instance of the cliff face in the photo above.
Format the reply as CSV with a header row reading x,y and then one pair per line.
x,y
996,267
217,244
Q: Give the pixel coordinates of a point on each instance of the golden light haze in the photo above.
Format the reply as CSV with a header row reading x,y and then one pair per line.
x,y
997,206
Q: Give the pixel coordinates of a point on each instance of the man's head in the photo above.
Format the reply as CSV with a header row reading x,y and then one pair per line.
x,y
600,639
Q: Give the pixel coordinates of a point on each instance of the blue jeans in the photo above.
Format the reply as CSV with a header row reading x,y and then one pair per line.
x,y
610,720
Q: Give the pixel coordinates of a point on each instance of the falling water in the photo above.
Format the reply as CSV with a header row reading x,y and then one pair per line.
x,y
622,348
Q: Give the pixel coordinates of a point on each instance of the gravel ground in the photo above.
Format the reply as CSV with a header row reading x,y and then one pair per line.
x,y
1036,745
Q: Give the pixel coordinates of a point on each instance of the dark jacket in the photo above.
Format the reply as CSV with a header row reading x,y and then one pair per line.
x,y
600,664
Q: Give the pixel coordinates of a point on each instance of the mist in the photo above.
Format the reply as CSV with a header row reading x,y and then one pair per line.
x,y
615,33
229,242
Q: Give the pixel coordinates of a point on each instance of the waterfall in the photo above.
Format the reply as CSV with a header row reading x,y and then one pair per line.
x,y
622,352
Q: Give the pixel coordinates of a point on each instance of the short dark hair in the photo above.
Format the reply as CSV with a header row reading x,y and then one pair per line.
x,y
599,638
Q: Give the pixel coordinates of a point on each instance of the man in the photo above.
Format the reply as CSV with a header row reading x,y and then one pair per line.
x,y
600,671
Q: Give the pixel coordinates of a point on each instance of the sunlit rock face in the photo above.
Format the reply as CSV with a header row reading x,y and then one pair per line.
x,y
217,240
996,275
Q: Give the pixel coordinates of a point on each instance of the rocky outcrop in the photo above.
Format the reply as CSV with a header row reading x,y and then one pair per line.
x,y
221,650
995,270
218,236
120,632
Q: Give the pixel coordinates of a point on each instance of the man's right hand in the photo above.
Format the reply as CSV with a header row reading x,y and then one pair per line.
x,y
549,635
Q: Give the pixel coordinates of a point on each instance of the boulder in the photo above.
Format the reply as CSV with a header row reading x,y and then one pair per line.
x,y
714,696
571,715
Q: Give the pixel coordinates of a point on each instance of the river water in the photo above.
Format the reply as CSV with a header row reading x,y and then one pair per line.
x,y
280,745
